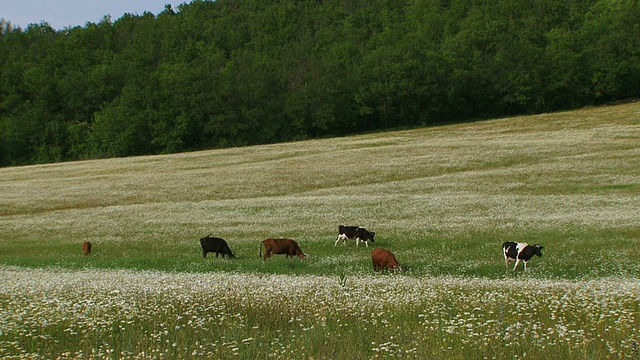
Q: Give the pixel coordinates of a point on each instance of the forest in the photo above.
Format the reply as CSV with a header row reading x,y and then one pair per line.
x,y
214,74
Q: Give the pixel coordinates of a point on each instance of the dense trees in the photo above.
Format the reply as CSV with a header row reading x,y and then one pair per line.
x,y
229,72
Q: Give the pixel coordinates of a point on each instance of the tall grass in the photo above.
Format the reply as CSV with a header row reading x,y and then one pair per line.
x,y
442,199
150,315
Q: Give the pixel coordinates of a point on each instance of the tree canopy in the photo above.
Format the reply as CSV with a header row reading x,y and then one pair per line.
x,y
231,73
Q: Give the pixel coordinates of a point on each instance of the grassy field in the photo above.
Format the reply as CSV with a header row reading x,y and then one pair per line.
x,y
442,199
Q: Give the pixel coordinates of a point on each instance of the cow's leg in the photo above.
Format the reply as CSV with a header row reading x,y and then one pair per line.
x,y
517,262
204,254
217,255
366,243
506,257
357,241
525,265
337,239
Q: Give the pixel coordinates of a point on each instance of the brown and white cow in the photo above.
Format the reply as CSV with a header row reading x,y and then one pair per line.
x,y
86,247
288,247
384,259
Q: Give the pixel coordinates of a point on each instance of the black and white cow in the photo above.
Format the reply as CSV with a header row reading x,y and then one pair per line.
x,y
346,232
358,233
215,245
515,251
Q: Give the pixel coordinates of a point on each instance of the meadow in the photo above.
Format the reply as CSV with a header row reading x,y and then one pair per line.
x,y
443,199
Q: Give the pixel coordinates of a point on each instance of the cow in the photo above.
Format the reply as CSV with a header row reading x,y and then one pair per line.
x,y
384,259
215,245
86,247
514,251
288,247
344,233
354,232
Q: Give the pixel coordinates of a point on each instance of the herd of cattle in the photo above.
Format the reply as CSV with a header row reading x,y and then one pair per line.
x,y
382,259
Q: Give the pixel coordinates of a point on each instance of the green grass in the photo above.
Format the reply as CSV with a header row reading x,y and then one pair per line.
x,y
442,199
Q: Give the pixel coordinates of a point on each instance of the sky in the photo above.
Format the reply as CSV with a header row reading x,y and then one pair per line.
x,y
61,14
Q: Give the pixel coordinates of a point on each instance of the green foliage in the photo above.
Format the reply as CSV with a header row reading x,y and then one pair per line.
x,y
227,73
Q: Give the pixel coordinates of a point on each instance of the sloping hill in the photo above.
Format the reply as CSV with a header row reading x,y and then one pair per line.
x,y
443,199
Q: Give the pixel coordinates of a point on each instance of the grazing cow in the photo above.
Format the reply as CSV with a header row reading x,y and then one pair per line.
x,y
280,246
514,251
86,247
346,232
384,259
215,245
354,232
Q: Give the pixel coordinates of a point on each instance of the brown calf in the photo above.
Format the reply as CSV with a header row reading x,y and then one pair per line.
x,y
86,248
384,259
280,246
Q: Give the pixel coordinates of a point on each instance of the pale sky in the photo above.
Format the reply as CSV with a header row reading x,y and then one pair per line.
x,y
70,13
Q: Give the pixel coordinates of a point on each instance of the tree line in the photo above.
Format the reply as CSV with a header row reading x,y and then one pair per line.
x,y
212,74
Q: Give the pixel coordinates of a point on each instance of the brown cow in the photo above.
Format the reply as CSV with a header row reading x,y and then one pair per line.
x,y
384,259
288,247
86,248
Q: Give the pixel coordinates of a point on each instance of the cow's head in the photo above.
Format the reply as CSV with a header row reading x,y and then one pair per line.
x,y
372,235
537,249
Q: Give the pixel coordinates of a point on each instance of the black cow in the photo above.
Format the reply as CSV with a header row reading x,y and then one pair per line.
x,y
514,251
215,245
354,232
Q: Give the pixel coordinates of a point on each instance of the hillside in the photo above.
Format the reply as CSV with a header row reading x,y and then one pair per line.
x,y
442,198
